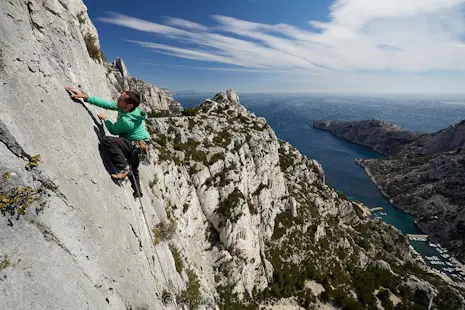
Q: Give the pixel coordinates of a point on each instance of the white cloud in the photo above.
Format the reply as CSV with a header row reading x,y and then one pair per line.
x,y
140,24
227,69
186,24
405,36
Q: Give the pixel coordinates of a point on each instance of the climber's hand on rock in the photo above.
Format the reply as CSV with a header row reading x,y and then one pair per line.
x,y
101,116
76,93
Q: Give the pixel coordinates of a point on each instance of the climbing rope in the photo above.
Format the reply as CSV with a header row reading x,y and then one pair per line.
x,y
166,299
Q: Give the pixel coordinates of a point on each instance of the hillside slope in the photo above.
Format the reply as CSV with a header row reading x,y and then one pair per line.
x,y
424,175
426,179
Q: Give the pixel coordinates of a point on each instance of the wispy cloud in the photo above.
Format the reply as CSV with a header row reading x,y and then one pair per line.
x,y
186,24
399,35
227,69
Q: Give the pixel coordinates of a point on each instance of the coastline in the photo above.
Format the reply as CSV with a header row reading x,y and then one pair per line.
x,y
456,262
383,192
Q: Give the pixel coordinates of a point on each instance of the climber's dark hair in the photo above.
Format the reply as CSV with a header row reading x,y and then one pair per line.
x,y
133,98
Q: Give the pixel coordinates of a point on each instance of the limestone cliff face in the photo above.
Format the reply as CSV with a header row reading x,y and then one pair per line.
x,y
383,137
255,222
231,215
90,246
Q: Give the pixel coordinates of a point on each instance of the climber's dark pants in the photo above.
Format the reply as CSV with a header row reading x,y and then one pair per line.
x,y
123,153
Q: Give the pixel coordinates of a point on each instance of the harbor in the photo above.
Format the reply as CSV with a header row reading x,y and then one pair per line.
x,y
433,255
439,259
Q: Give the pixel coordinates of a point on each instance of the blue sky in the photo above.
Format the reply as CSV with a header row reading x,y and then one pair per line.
x,y
357,46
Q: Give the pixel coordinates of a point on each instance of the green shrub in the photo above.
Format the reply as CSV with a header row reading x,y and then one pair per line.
x,y
171,129
252,208
34,161
18,200
163,231
161,140
207,143
191,111
339,193
223,138
177,258
216,157
383,296
259,189
258,127
158,113
447,299
191,123
165,155
226,207
92,48
191,296
5,262
285,160
363,242
237,146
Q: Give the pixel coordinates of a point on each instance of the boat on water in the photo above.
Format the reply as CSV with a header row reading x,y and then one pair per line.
x,y
445,255
436,262
432,245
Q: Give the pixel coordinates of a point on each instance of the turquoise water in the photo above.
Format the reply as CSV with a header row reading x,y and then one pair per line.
x,y
291,117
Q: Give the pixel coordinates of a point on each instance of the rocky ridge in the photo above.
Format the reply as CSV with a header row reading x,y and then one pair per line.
x,y
383,137
262,215
154,99
231,217
423,177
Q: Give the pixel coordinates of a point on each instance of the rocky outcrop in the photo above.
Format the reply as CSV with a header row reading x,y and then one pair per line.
x,y
255,220
230,216
423,178
426,180
383,137
153,99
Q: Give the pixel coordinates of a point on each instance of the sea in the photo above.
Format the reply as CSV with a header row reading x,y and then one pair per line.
x,y
291,117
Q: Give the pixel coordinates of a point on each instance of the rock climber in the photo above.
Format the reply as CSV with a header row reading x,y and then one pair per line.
x,y
133,137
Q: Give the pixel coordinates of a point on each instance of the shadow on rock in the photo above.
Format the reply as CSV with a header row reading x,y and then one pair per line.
x,y
100,132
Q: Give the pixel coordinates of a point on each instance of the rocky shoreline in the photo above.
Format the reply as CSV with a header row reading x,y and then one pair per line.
x,y
382,137
422,177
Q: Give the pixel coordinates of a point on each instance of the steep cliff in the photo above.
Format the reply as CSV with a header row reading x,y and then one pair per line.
x,y
424,177
256,224
383,137
231,215
89,247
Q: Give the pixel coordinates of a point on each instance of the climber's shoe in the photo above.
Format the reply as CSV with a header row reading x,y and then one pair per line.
x,y
121,174
137,194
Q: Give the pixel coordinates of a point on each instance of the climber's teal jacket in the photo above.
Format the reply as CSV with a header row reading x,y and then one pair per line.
x,y
130,125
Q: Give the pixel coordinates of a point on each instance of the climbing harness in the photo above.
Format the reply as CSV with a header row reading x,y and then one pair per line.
x,y
143,151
